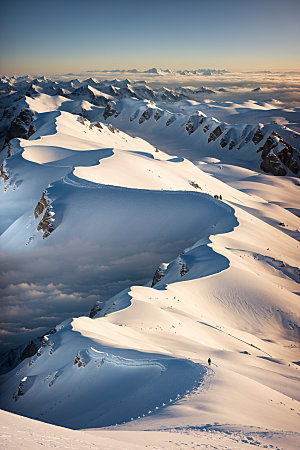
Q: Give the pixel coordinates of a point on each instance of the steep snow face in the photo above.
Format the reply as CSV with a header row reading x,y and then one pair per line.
x,y
111,377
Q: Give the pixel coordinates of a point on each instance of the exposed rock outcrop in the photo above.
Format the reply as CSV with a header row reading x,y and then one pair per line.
x,y
21,126
95,309
193,123
47,222
42,204
3,173
231,145
269,144
224,141
108,111
184,268
278,156
195,185
159,274
15,356
215,134
171,120
98,125
145,116
244,138
257,137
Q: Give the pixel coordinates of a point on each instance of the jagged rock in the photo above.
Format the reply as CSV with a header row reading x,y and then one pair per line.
x,y
231,145
113,129
30,350
195,185
215,134
271,163
157,115
257,137
15,356
108,111
31,130
8,151
193,123
95,309
46,224
159,274
170,120
267,147
3,173
20,391
286,154
21,127
190,127
78,361
145,116
223,141
286,157
184,268
42,204
98,125
206,128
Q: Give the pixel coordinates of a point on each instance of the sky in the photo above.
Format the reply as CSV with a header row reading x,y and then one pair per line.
x,y
57,36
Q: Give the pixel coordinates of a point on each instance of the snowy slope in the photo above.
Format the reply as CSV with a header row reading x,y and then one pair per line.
x,y
34,435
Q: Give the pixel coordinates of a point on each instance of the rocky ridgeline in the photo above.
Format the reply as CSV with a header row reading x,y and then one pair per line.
x,y
16,124
159,274
278,156
17,118
13,357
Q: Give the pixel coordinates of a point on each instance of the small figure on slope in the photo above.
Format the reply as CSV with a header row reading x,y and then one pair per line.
x,y
209,361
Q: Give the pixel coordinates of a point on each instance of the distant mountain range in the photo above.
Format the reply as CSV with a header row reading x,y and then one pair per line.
x,y
159,71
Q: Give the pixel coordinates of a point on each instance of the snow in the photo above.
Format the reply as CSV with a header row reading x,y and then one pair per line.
x,y
32,435
228,285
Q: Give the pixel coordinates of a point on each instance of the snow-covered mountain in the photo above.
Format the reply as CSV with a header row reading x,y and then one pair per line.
x,y
272,147
162,72
192,247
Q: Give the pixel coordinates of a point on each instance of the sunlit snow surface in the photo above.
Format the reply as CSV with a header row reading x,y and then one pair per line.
x,y
119,207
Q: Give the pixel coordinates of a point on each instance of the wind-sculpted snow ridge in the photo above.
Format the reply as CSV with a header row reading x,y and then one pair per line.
x,y
94,386
73,171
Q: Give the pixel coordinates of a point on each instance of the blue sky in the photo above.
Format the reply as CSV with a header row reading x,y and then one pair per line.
x,y
58,36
